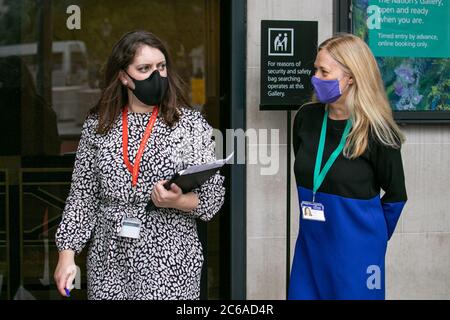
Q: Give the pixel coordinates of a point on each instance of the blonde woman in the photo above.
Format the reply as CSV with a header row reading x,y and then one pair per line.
x,y
347,149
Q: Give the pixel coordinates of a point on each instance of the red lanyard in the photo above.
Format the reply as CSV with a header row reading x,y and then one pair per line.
x,y
134,169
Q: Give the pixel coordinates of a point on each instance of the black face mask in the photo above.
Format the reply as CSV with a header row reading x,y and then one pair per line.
x,y
150,91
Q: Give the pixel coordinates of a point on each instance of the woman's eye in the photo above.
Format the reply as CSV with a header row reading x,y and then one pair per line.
x,y
162,67
143,69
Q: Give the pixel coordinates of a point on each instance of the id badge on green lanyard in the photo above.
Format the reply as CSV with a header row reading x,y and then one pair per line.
x,y
313,210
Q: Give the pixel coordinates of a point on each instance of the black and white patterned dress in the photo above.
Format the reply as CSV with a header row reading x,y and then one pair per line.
x,y
166,262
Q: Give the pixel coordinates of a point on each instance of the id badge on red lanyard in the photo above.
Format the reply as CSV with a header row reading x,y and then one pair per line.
x,y
131,227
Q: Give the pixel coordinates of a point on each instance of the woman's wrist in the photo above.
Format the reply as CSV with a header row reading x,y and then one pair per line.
x,y
187,202
67,255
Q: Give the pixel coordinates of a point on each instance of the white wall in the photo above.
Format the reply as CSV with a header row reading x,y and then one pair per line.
x,y
418,258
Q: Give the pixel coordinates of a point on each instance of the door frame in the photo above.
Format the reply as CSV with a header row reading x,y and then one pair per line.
x,y
233,43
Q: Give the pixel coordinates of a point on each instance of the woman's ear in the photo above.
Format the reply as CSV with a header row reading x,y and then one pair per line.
x,y
350,80
125,79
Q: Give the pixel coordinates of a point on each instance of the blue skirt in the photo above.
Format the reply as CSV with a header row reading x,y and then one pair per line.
x,y
342,257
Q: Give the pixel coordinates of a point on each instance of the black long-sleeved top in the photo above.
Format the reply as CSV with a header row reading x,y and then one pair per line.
x,y
380,167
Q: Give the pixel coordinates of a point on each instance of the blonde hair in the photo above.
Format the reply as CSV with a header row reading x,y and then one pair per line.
x,y
367,102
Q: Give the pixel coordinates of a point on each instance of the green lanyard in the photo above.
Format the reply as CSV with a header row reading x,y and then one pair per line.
x,y
320,175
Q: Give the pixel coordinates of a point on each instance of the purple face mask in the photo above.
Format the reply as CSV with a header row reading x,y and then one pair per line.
x,y
327,91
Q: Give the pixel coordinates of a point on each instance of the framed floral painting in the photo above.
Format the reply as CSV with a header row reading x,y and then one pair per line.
x,y
417,82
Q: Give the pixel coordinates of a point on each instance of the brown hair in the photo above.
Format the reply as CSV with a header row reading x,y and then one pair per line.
x,y
114,96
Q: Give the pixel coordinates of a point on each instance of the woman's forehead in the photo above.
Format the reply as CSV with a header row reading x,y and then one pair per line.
x,y
148,55
324,59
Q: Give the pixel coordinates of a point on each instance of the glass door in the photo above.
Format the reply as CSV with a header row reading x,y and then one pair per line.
x,y
51,57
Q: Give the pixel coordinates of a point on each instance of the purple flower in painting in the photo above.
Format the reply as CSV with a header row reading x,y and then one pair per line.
x,y
398,88
416,97
406,86
405,73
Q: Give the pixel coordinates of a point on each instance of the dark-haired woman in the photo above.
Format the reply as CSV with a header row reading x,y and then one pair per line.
x,y
139,134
